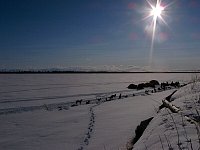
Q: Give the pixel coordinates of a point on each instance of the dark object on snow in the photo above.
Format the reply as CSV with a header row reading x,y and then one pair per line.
x,y
73,105
120,96
112,97
140,129
87,102
60,108
98,99
147,84
147,92
125,96
140,86
153,83
132,86
79,101
168,98
196,118
138,132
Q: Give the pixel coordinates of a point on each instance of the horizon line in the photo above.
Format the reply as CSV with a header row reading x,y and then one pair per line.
x,y
88,72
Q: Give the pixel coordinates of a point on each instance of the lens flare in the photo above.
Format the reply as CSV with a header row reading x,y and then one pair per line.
x,y
155,12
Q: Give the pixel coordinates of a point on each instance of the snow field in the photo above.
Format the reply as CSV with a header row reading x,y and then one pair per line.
x,y
42,119
117,120
42,129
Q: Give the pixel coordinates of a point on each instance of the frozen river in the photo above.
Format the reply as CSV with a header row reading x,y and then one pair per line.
x,y
108,125
37,89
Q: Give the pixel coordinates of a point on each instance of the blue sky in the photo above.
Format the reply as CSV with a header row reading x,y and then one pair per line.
x,y
96,33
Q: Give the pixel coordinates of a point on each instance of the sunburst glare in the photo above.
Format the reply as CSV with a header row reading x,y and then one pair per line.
x,y
156,11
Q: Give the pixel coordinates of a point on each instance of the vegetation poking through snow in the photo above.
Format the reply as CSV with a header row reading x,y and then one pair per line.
x,y
179,122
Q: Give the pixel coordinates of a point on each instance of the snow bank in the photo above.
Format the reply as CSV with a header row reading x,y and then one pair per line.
x,y
175,130
188,90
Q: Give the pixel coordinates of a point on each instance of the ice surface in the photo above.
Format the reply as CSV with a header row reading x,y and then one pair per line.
x,y
39,89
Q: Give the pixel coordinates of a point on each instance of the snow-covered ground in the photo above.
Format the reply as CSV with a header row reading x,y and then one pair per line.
x,y
38,89
36,113
117,120
113,126
52,130
179,129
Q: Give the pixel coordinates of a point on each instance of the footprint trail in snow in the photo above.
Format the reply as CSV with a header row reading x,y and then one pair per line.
x,y
90,128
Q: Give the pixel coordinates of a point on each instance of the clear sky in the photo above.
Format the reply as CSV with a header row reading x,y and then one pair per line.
x,y
96,33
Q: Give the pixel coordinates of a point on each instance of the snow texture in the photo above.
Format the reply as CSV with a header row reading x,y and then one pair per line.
x,y
45,112
178,130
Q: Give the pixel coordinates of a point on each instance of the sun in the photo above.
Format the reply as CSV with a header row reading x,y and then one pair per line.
x,y
155,15
156,11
